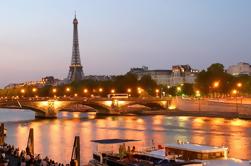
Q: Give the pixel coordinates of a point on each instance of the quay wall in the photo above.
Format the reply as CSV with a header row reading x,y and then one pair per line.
x,y
210,107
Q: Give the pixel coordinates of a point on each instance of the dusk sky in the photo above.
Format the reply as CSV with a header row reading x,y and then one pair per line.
x,y
115,35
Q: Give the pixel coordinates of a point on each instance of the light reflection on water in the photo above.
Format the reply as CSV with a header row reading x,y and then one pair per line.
x,y
55,137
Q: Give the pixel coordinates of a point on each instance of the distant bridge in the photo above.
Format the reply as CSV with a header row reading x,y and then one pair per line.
x,y
49,108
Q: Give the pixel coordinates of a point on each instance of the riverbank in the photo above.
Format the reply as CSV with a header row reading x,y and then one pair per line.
x,y
177,112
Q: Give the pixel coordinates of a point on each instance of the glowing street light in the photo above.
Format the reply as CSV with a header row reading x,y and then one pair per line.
x,y
113,91
68,89
129,90
239,84
157,90
197,93
34,90
216,84
178,89
85,90
75,95
139,90
234,91
22,91
100,90
54,90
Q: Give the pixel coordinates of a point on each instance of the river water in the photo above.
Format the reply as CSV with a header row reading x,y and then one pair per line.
x,y
54,138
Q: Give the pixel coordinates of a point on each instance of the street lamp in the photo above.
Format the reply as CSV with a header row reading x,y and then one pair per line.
x,y
178,89
68,89
129,90
34,90
234,92
157,92
239,84
100,90
22,91
197,94
216,84
112,90
54,90
139,90
85,90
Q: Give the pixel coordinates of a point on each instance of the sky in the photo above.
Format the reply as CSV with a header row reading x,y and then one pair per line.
x,y
116,35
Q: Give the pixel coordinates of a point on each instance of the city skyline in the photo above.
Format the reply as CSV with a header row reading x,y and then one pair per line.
x,y
36,43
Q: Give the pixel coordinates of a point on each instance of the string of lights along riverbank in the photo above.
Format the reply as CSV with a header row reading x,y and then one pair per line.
x,y
76,70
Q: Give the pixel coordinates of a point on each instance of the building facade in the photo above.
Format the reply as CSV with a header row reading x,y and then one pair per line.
x,y
179,74
239,69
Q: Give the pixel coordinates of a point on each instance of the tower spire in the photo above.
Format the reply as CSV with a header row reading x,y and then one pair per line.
x,y
76,70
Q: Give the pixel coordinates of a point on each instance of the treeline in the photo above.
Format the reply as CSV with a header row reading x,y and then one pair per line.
x,y
118,84
215,80
212,81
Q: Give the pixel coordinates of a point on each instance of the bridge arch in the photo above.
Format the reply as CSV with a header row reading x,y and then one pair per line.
x,y
151,105
83,107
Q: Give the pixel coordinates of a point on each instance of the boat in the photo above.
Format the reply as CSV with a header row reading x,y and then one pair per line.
x,y
123,156
208,155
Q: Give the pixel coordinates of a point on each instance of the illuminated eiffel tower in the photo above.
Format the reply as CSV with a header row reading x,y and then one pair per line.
x,y
76,70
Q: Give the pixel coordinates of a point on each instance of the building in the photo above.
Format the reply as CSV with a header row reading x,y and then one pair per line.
x,y
183,74
76,70
240,69
98,77
48,80
179,74
160,76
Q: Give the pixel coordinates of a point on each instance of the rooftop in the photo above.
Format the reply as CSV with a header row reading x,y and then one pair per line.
x,y
197,147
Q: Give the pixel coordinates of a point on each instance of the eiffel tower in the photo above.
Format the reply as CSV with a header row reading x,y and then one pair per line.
x,y
76,70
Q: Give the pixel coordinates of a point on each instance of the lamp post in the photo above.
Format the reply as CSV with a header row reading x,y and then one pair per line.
x,y
215,86
129,90
22,92
234,92
85,91
34,91
157,92
197,94
54,91
68,90
239,85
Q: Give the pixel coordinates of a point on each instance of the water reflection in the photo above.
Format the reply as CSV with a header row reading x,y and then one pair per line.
x,y
55,137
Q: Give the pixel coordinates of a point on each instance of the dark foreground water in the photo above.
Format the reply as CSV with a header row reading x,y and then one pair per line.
x,y
54,138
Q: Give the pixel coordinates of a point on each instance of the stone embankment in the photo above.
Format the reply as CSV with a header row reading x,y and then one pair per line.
x,y
216,108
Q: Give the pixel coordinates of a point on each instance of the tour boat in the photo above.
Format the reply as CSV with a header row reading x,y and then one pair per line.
x,y
130,157
208,155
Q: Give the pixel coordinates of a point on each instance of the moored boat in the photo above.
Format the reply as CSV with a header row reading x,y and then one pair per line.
x,y
130,157
208,155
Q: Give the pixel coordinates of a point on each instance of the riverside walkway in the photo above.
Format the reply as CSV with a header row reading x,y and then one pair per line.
x,y
11,156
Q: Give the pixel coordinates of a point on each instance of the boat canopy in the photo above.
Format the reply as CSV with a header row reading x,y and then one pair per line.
x,y
196,148
113,141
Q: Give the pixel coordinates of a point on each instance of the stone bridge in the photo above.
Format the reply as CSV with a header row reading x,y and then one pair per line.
x,y
49,108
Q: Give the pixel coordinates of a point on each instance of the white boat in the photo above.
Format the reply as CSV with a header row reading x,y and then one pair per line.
x,y
127,156
208,155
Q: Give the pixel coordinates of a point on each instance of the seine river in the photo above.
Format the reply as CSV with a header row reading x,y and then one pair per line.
x,y
54,138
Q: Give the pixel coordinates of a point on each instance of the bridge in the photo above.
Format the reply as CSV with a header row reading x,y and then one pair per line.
x,y
50,107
